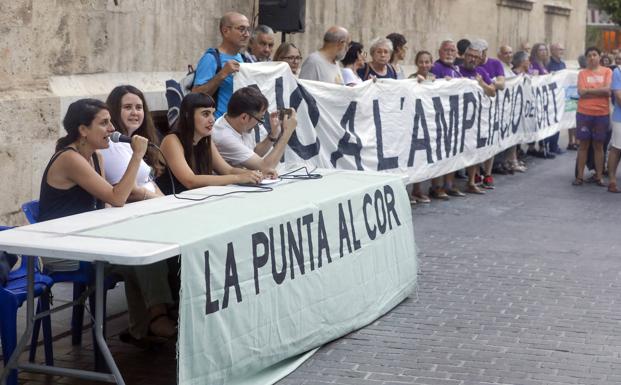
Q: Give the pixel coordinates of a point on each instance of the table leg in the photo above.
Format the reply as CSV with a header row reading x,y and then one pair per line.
x,y
99,311
23,341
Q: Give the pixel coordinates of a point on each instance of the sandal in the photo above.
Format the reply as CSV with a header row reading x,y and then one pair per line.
x,y
612,187
578,182
160,335
146,343
473,189
600,182
420,198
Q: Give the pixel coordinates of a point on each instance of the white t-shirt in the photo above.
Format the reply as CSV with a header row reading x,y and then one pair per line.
x,y
234,147
350,77
508,71
117,157
316,67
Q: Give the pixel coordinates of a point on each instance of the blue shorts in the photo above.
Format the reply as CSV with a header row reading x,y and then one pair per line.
x,y
592,127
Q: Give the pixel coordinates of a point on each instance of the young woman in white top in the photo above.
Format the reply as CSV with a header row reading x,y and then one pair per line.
x,y
130,116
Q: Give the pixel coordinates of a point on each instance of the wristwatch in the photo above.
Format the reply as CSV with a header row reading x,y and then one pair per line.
x,y
273,140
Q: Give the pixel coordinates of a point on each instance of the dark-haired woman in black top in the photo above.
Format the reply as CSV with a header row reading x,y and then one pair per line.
x,y
74,183
192,157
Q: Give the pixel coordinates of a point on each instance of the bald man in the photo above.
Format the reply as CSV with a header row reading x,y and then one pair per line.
x,y
323,65
505,55
214,72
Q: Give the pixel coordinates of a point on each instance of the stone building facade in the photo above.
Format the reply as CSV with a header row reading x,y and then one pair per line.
x,y
55,51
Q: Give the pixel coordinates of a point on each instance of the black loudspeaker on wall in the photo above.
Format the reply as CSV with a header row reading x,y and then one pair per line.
x,y
283,15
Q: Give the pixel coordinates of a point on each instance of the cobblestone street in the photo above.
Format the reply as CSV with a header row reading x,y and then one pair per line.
x,y
520,286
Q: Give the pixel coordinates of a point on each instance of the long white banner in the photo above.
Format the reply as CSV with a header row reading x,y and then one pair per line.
x,y
421,129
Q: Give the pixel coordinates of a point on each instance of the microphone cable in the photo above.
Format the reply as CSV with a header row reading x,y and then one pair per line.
x,y
306,176
258,188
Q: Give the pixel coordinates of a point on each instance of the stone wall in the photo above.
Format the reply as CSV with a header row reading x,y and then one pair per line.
x,y
47,43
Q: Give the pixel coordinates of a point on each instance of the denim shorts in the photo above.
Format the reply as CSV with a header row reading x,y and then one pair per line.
x,y
592,127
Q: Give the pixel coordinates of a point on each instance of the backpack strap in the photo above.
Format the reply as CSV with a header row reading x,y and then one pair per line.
x,y
216,56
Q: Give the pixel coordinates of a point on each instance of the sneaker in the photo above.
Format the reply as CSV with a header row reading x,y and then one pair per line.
x,y
548,155
438,193
533,152
539,154
488,182
558,151
455,192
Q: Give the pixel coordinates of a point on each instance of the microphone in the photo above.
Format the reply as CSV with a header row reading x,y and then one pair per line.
x,y
117,137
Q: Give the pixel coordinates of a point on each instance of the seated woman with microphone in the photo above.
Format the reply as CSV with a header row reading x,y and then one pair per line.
x,y
74,182
130,116
192,157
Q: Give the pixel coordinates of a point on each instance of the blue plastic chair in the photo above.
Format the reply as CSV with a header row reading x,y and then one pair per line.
x,y
82,278
12,296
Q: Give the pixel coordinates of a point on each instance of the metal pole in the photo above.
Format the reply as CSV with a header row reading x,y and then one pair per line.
x,y
98,327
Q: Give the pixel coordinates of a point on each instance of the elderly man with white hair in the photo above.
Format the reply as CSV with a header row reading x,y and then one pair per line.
x,y
379,67
445,68
260,45
323,65
492,66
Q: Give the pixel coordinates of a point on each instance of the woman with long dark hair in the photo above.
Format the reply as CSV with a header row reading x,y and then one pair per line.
x,y
74,182
130,116
399,49
353,60
192,157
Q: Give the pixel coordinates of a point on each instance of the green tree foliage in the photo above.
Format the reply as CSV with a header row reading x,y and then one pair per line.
x,y
612,8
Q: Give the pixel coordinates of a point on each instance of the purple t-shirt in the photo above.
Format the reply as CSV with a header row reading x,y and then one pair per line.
x,y
536,66
471,74
442,70
493,67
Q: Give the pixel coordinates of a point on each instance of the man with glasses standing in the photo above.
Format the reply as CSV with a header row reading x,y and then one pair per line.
x,y
323,65
214,72
234,132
